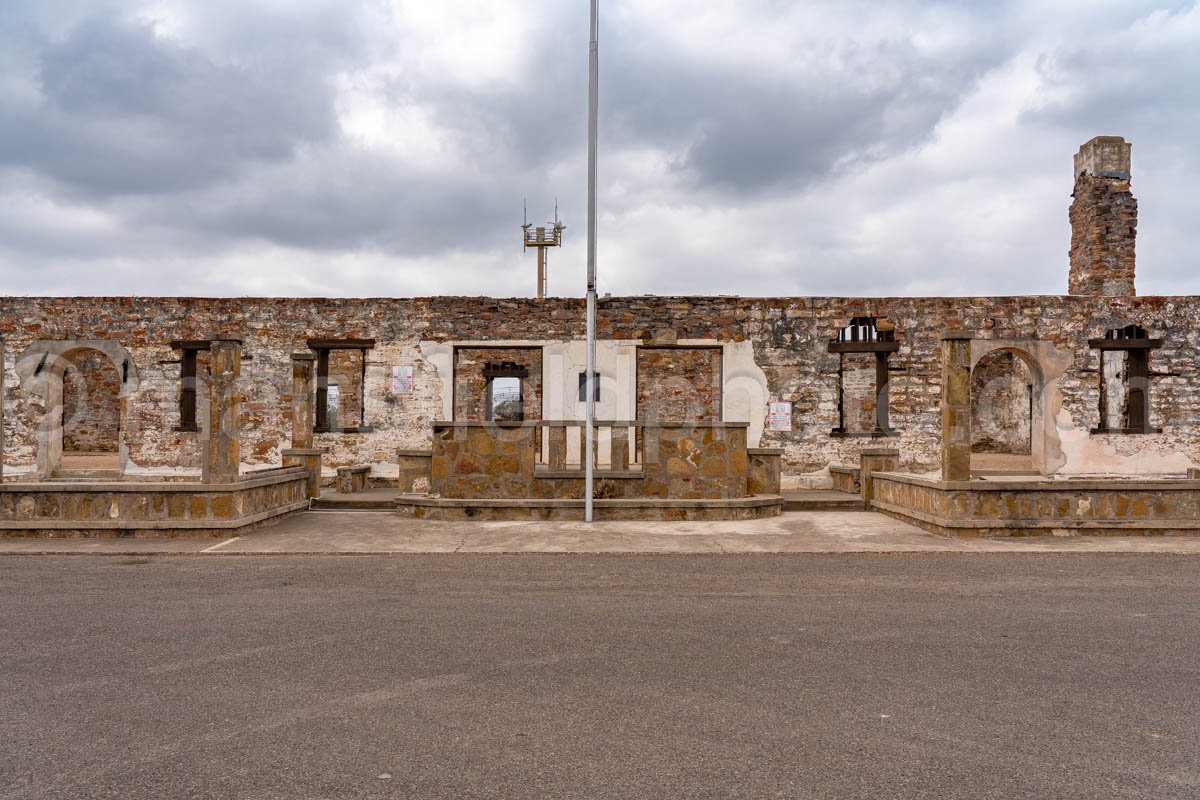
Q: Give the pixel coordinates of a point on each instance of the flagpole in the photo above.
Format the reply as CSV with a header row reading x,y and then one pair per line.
x,y
589,402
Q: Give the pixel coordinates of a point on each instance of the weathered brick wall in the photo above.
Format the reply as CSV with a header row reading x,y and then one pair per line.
x,y
1001,413
1103,220
345,403
679,384
858,391
789,335
91,406
471,384
1103,232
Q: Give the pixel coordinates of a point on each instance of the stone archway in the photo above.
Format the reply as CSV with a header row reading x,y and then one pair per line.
x,y
42,367
1046,365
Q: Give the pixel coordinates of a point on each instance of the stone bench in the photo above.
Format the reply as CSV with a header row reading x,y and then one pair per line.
x,y
845,479
352,479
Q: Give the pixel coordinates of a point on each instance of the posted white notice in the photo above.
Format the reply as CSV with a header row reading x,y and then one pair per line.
x,y
780,416
402,380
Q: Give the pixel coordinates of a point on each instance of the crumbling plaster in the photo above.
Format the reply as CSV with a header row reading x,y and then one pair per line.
x,y
786,339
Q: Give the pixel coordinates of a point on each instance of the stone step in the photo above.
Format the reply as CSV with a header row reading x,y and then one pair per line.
x,y
86,475
821,500
369,500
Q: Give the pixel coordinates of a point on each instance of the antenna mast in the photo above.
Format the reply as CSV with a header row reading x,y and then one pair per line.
x,y
542,237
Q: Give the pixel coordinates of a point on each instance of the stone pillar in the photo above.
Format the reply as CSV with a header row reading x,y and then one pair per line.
x,y
222,444
2,409
310,459
302,399
620,448
1103,220
884,459
956,407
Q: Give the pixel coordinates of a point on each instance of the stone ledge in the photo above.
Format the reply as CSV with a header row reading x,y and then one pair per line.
x,y
575,423
277,475
24,527
755,507
598,474
1047,484
742,502
1048,523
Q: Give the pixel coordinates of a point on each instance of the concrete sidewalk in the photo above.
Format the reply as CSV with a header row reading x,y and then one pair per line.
x,y
338,532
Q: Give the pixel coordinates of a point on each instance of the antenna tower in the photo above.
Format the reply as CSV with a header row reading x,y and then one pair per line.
x,y
541,237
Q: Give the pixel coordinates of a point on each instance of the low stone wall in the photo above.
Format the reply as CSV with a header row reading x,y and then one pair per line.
x,y
483,459
681,461
415,468
695,461
689,471
129,508
351,480
765,476
1041,507
845,479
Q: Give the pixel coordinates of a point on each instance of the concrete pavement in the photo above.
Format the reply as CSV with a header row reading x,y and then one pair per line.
x,y
593,676
340,532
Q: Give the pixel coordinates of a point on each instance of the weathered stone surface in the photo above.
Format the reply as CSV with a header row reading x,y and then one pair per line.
x,y
1103,220
870,462
351,480
163,508
1036,508
223,455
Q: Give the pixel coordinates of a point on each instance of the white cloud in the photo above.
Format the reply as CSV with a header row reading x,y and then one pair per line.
x,y
366,148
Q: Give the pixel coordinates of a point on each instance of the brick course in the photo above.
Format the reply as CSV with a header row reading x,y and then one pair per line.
x,y
789,336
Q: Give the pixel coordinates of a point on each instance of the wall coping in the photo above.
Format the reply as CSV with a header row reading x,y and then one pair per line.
x,y
233,524
764,451
754,501
850,470
579,423
277,476
415,451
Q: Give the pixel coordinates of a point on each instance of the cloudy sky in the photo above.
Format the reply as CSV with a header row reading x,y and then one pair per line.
x,y
754,147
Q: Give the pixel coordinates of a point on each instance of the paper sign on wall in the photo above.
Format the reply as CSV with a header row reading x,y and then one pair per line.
x,y
402,380
780,416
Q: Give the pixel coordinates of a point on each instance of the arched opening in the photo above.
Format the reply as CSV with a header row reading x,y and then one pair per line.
x,y
82,385
1003,391
90,411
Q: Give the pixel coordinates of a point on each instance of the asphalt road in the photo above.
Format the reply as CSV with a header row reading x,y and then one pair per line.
x,y
966,676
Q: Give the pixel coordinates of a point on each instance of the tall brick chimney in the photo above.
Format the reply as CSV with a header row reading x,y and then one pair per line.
x,y
1103,220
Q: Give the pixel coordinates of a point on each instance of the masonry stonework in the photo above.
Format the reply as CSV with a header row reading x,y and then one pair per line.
x,y
1103,220
91,407
788,336
679,384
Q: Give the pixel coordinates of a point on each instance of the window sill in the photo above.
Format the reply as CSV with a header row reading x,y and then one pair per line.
x,y
186,429
1125,430
356,429
837,433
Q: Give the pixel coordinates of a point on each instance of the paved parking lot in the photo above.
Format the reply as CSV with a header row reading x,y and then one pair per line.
x,y
605,676
801,532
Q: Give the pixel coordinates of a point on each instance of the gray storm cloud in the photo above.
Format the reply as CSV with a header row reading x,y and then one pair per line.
x,y
354,148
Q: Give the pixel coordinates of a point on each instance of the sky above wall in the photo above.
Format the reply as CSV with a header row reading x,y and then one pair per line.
x,y
752,147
